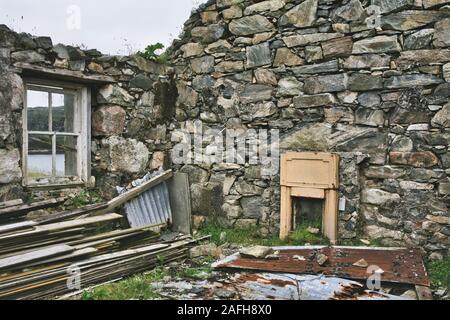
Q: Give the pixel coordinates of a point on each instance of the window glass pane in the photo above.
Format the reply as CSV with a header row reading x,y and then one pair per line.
x,y
39,156
66,156
37,110
63,112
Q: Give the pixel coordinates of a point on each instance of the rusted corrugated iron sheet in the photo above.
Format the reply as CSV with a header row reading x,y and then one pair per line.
x,y
399,265
269,286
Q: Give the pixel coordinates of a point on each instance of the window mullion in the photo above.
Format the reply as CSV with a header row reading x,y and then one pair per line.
x,y
54,155
50,112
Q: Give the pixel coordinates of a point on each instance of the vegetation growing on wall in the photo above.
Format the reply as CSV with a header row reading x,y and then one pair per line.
x,y
150,53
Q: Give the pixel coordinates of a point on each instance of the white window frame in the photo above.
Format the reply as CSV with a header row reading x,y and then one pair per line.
x,y
82,130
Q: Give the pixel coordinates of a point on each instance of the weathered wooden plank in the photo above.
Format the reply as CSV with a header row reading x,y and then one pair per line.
x,y
11,203
72,214
26,208
13,261
60,226
17,226
72,255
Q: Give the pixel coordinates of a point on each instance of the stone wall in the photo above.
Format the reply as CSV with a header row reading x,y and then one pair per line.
x,y
316,70
127,117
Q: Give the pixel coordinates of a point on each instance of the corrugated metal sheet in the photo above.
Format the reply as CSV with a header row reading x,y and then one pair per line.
x,y
151,207
269,286
400,265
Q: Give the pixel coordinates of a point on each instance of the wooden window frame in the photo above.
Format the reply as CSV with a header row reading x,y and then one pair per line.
x,y
82,130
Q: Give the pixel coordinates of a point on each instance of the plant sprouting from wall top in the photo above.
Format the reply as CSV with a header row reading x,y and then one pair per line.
x,y
150,53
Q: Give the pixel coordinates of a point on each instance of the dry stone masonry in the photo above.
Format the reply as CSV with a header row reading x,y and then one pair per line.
x,y
331,75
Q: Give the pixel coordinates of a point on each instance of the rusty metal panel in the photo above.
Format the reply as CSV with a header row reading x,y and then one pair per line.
x,y
399,265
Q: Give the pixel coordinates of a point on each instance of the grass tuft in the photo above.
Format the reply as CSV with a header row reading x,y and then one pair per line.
x,y
86,197
138,287
249,237
439,273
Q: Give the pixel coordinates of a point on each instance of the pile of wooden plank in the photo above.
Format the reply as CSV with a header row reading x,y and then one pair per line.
x,y
43,261
72,250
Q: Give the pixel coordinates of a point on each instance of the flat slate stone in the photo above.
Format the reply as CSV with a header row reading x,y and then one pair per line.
x,y
255,93
442,33
326,67
433,3
306,39
367,61
423,57
339,47
328,83
302,15
411,80
250,25
286,57
387,6
419,40
411,19
269,5
208,34
364,82
312,101
379,44
258,55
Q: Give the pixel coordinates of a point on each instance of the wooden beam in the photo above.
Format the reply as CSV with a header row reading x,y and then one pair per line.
x,y
63,74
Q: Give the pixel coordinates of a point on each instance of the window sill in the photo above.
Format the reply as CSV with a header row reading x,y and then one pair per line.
x,y
55,186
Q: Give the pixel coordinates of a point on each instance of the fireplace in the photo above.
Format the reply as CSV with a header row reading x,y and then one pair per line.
x,y
309,180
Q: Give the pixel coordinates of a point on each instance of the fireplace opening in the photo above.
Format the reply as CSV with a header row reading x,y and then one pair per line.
x,y
308,213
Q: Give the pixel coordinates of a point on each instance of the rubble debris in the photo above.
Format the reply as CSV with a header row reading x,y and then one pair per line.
x,y
256,252
361,263
410,294
206,250
321,259
273,256
300,258
313,230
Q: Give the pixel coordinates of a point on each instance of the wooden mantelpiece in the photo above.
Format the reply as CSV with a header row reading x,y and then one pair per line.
x,y
314,176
